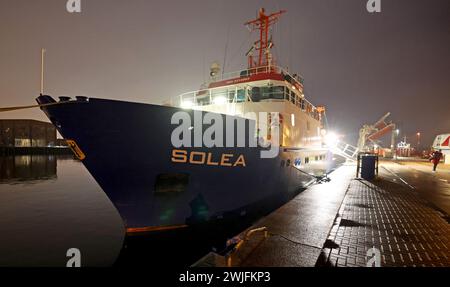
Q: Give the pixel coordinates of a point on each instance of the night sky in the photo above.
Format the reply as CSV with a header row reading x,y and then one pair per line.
x,y
359,65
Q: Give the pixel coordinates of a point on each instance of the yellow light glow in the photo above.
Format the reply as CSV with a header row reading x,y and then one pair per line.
x,y
220,100
187,104
331,139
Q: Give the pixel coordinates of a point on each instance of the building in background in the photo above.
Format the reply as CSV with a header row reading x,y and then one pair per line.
x,y
27,133
404,149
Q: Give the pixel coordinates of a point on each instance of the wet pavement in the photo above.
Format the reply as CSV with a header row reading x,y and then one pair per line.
x,y
418,176
388,218
401,219
393,218
296,232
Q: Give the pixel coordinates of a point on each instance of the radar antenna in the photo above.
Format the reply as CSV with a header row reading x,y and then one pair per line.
x,y
264,44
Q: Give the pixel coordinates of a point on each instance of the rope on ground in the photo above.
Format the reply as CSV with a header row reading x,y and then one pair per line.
x,y
293,241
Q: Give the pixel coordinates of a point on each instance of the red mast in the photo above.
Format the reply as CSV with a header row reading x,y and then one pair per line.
x,y
262,23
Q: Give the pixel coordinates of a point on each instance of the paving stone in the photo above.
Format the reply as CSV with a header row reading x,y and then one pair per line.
x,y
388,216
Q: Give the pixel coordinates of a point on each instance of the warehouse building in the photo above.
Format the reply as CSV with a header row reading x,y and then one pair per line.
x,y
26,133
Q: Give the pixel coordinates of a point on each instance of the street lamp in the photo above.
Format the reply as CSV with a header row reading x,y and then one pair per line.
x,y
418,139
393,142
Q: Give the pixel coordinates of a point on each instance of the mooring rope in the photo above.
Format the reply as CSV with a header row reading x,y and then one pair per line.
x,y
9,109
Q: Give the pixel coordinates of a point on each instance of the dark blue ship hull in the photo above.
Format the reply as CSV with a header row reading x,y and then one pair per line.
x,y
128,150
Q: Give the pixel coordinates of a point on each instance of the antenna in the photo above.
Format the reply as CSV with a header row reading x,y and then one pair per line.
x,y
263,45
42,70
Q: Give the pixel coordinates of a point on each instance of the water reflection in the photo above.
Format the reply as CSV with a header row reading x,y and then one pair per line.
x,y
49,204
27,168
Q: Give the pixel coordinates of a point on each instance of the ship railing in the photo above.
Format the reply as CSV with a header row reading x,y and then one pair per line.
x,y
304,105
259,70
233,95
210,96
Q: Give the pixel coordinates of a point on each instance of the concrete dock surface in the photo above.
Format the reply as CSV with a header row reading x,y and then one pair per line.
x,y
399,219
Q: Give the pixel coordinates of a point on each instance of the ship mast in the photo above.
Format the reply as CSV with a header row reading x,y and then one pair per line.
x,y
264,44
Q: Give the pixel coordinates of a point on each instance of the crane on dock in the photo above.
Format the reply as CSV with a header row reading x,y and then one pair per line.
x,y
370,133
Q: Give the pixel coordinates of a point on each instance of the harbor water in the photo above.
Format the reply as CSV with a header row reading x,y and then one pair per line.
x,y
49,204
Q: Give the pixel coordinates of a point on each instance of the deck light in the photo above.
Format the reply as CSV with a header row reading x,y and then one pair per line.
x,y
220,100
188,104
331,139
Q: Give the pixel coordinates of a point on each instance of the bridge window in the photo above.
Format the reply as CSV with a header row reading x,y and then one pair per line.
x,y
240,96
264,93
302,104
292,97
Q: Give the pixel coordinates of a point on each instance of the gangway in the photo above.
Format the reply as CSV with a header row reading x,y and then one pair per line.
x,y
339,147
345,150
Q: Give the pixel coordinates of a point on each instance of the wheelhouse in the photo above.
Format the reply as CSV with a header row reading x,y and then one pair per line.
x,y
266,84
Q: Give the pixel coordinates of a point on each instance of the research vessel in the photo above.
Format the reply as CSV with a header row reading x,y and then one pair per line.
x,y
245,142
